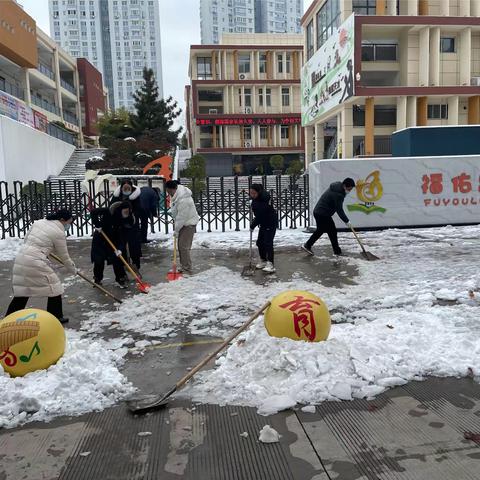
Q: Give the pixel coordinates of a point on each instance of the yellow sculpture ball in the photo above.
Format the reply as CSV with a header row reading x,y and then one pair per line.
x,y
298,315
30,340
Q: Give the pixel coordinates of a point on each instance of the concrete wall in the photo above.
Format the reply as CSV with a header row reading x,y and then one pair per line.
x,y
27,154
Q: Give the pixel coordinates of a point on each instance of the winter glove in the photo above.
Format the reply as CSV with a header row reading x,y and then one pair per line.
x,y
99,229
349,225
118,253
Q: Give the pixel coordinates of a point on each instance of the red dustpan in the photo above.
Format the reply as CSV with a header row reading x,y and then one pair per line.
x,y
173,274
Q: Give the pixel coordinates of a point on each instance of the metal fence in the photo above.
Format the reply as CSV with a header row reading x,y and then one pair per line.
x,y
222,203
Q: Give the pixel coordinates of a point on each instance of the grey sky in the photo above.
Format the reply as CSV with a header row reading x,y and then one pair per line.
x,y
180,27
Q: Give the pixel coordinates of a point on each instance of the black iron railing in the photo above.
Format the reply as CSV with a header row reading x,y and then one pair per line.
x,y
222,203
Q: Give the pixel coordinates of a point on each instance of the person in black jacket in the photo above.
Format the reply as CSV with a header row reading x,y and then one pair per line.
x,y
110,221
149,199
130,231
330,202
127,191
266,218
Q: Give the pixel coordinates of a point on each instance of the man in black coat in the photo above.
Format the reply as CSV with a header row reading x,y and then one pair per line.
x,y
266,217
149,199
330,202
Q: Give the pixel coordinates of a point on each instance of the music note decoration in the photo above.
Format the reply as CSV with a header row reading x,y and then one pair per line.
x,y
36,348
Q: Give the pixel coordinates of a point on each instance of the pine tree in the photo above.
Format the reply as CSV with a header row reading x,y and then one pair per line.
x,y
153,113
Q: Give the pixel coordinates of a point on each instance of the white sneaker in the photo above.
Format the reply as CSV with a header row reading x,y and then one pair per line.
x,y
261,265
269,268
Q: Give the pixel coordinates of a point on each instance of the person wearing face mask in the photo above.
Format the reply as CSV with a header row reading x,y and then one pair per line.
x,y
330,202
101,251
127,191
127,233
33,275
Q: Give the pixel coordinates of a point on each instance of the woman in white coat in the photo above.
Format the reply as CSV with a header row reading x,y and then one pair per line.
x,y
33,275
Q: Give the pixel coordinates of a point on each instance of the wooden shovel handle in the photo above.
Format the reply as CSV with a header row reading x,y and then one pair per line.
x,y
358,239
129,268
212,355
81,275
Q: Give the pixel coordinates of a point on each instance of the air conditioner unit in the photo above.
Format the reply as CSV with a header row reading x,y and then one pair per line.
x,y
244,76
212,111
247,144
475,81
248,110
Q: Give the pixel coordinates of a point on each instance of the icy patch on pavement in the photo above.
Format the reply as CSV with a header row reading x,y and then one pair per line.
x,y
9,248
359,360
85,379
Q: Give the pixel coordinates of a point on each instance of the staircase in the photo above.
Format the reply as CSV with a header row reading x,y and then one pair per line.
x,y
73,170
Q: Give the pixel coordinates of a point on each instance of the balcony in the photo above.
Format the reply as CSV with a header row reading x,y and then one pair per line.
x,y
45,104
11,89
68,86
70,118
47,71
57,132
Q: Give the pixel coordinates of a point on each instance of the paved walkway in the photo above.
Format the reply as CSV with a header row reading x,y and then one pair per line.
x,y
413,432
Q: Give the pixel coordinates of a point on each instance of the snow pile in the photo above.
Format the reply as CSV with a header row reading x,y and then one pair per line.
x,y
269,435
211,303
9,248
85,379
359,360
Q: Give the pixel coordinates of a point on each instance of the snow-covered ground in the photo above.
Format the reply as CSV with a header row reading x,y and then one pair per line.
x,y
403,317
9,248
85,379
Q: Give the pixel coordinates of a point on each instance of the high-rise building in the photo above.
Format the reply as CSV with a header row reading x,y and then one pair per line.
x,y
119,37
248,16
278,16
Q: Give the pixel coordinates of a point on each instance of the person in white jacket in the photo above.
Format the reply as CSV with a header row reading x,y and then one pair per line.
x,y
33,275
185,219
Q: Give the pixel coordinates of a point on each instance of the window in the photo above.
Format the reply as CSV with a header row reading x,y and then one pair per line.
x,y
310,40
280,63
260,97
247,133
288,61
284,132
447,45
263,133
268,97
244,63
248,97
210,96
379,52
285,97
327,19
262,67
204,68
437,112
364,7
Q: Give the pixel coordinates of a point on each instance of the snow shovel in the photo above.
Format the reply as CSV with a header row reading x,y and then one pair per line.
x,y
249,270
81,275
367,255
152,402
142,286
173,274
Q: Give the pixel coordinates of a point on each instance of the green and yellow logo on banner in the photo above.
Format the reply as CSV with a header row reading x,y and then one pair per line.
x,y
369,191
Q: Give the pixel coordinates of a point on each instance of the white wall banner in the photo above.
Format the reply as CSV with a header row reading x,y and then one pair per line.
x,y
410,191
327,78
